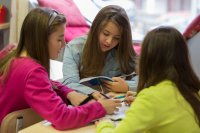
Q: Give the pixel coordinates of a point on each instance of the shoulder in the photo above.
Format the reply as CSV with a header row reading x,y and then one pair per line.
x,y
161,92
162,87
75,47
77,42
26,64
157,97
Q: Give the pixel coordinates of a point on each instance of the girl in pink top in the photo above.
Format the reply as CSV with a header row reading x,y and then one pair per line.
x,y
24,76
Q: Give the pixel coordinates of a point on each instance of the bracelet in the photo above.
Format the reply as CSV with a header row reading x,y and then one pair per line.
x,y
90,97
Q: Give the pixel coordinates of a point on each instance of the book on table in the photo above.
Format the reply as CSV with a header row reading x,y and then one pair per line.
x,y
93,81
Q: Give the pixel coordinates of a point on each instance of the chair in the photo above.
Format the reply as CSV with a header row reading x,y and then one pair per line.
x,y
17,120
192,36
6,50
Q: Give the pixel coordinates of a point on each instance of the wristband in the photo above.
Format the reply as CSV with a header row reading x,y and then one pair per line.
x,y
90,97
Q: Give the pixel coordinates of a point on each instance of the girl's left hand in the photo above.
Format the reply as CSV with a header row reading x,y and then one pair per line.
x,y
119,85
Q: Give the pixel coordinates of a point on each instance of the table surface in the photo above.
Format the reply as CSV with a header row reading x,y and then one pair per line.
x,y
42,128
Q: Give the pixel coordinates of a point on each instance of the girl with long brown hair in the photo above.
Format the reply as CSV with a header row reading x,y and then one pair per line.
x,y
24,76
106,51
168,98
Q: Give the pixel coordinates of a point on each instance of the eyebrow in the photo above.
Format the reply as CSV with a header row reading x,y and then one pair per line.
x,y
62,35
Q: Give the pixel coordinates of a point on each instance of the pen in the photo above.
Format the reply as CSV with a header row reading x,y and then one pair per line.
x,y
119,97
126,75
105,95
100,85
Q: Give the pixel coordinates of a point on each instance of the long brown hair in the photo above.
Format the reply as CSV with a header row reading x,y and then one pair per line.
x,y
93,59
34,36
165,57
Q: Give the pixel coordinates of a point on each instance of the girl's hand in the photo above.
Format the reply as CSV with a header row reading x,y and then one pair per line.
x,y
97,95
119,85
110,105
130,96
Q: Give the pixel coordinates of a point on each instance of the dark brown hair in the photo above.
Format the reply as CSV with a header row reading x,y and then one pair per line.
x,y
34,37
93,58
165,57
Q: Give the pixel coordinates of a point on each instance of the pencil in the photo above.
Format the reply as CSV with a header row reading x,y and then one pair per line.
x,y
107,97
119,97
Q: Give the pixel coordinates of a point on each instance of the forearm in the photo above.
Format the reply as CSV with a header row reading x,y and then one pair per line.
x,y
61,90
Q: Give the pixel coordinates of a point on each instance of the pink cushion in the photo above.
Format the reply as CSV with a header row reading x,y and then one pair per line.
x,y
137,49
73,31
193,28
68,8
6,50
76,24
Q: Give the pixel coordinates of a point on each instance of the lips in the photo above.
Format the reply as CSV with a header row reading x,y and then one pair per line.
x,y
58,51
106,46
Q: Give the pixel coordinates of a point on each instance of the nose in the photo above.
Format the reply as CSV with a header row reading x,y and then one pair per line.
x,y
109,40
63,44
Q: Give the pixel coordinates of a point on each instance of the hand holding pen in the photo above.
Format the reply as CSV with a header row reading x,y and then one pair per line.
x,y
130,97
127,75
111,105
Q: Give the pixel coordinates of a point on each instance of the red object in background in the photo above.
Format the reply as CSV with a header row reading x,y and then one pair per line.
x,y
3,13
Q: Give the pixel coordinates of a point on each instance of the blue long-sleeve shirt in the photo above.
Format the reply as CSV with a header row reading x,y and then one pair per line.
x,y
71,61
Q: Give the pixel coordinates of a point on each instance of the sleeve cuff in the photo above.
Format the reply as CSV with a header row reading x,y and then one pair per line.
x,y
105,126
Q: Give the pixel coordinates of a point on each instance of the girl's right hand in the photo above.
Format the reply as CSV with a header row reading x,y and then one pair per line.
x,y
110,105
118,85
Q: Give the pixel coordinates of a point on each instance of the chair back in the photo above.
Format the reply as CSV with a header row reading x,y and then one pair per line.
x,y
192,35
17,120
6,50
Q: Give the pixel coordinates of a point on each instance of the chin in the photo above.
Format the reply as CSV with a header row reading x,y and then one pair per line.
x,y
54,58
105,50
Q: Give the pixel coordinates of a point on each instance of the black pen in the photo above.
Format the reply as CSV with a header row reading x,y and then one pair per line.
x,y
126,75
107,97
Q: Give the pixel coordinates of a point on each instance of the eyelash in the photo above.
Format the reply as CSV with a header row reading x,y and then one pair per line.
x,y
116,38
61,40
106,34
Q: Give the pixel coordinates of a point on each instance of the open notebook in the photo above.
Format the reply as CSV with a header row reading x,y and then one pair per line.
x,y
119,115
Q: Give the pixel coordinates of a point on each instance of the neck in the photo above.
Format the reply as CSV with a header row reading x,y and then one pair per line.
x,y
24,53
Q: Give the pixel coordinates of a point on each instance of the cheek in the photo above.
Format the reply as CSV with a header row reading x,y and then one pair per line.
x,y
53,47
115,43
101,37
